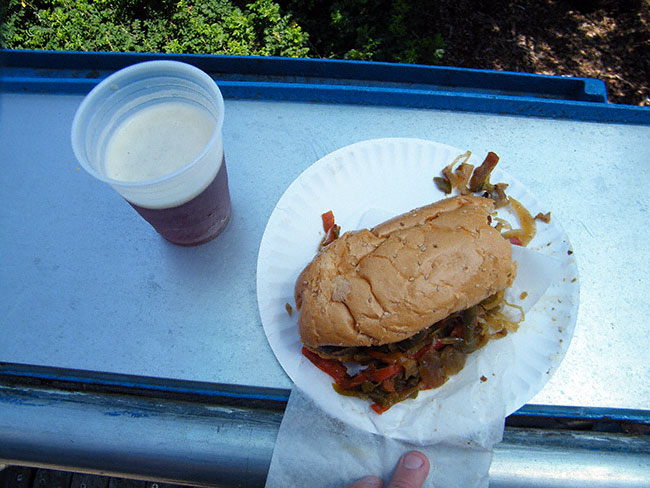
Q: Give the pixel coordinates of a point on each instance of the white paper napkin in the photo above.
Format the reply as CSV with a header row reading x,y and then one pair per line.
x,y
315,450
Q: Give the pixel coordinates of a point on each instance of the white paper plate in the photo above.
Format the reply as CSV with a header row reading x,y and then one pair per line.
x,y
367,182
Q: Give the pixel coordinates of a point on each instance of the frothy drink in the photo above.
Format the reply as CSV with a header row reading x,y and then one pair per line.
x,y
162,139
197,221
153,132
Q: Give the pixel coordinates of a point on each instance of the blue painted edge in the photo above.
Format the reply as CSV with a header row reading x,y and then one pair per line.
x,y
77,380
584,413
333,81
579,89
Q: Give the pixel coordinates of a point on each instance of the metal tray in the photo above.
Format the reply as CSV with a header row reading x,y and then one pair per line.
x,y
93,300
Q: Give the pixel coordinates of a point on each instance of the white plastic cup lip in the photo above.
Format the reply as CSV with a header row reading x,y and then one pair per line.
x,y
122,78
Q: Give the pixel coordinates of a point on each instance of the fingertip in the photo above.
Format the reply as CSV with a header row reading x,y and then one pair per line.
x,y
415,460
411,472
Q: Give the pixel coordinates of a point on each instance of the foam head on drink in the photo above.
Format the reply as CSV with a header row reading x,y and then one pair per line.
x,y
158,141
153,132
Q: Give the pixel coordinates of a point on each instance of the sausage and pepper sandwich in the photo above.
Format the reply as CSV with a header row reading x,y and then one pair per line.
x,y
395,309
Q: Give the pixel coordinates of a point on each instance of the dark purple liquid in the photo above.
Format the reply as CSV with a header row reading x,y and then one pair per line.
x,y
197,221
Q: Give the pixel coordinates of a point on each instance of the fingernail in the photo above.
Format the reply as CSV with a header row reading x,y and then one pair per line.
x,y
412,461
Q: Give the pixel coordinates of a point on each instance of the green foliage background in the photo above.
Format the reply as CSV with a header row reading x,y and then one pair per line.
x,y
380,30
168,26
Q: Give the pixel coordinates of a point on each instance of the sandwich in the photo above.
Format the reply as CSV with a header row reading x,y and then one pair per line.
x,y
393,310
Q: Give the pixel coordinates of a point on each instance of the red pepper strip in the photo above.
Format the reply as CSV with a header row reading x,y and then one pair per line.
x,y
385,373
340,373
421,352
359,378
438,345
516,241
328,220
330,366
378,408
371,373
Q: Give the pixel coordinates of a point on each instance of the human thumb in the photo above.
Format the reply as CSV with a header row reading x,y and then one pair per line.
x,y
411,471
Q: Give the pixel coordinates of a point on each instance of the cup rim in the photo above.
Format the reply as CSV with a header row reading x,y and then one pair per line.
x,y
173,68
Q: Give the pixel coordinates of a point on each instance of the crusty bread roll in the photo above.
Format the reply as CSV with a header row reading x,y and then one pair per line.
x,y
383,285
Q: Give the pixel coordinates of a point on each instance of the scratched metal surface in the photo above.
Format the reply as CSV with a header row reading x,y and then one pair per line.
x,y
207,445
87,285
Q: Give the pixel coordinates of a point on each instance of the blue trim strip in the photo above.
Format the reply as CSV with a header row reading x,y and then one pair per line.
x,y
449,78
349,82
16,372
208,390
584,413
423,99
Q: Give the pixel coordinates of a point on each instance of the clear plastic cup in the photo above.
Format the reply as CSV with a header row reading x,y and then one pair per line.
x,y
153,131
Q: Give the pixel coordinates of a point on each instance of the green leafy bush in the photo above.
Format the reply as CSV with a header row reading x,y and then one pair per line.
x,y
381,30
178,26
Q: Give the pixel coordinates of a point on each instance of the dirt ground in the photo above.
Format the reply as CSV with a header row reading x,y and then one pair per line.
x,y
604,39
